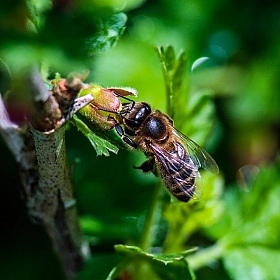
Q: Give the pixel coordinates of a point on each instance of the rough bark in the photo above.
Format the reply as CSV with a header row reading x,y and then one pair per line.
x,y
40,152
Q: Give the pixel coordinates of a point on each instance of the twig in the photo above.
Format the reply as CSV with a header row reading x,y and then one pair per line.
x,y
41,156
55,204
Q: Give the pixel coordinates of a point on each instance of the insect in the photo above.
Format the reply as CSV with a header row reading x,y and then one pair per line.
x,y
172,155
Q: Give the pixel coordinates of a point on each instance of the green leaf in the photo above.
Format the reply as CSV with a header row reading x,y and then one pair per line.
x,y
174,75
240,209
198,118
179,73
108,35
37,9
193,111
249,227
101,145
166,267
169,57
186,219
253,262
58,35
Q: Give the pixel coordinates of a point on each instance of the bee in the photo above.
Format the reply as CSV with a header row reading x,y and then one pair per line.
x,y
172,155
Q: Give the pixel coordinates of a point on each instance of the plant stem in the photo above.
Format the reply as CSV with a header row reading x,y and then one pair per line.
x,y
152,217
54,202
206,256
45,176
167,81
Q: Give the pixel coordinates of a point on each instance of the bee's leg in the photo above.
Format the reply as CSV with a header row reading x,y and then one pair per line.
x,y
124,137
147,166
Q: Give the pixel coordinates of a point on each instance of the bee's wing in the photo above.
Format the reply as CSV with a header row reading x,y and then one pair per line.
x,y
181,171
173,163
198,155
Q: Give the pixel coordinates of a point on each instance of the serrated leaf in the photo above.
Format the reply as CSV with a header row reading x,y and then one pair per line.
x,y
110,32
250,227
198,118
240,209
37,9
179,72
174,75
192,111
166,267
101,145
169,57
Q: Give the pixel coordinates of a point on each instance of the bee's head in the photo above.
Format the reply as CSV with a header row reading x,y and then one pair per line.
x,y
134,114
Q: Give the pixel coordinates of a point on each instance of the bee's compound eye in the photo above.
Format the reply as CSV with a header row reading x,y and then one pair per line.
x,y
155,128
137,115
143,112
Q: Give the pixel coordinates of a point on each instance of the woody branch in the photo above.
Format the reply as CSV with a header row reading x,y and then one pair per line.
x,y
41,156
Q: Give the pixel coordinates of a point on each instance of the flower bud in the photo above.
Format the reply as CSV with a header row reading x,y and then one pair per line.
x,y
104,109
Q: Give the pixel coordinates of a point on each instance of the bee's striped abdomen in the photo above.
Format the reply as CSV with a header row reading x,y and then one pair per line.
x,y
180,178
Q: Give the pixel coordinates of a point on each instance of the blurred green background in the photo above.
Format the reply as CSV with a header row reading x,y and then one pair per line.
x,y
233,50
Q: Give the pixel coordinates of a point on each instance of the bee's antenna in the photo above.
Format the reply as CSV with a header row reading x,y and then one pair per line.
x,y
126,98
123,111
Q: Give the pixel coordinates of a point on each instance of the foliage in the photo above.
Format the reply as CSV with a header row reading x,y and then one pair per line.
x,y
173,71
165,267
183,103
58,34
222,92
101,145
249,228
